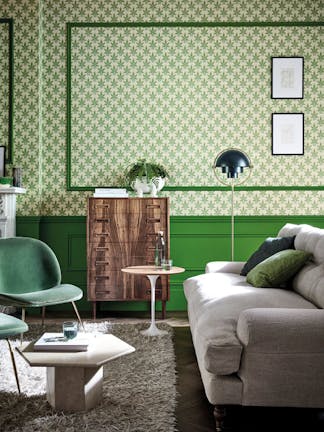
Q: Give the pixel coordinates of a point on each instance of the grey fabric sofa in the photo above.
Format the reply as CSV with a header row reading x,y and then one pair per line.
x,y
260,346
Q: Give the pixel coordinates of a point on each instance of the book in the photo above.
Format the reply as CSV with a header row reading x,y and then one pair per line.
x,y
57,342
111,190
109,195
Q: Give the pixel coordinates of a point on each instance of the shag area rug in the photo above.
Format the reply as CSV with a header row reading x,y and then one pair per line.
x,y
139,389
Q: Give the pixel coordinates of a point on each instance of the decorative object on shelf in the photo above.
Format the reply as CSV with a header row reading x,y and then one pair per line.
x,y
287,133
232,163
5,182
146,177
2,160
17,176
287,77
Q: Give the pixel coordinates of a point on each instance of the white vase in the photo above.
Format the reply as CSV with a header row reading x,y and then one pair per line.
x,y
142,186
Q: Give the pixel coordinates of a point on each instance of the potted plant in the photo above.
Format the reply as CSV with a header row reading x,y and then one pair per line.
x,y
146,177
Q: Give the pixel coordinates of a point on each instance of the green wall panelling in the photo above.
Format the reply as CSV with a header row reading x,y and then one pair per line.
x,y
194,241
28,226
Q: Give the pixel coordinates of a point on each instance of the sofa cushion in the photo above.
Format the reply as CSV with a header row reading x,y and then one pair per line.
x,y
309,281
276,270
215,301
268,248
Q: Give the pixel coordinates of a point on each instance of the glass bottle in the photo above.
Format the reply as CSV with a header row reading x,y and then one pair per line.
x,y
159,249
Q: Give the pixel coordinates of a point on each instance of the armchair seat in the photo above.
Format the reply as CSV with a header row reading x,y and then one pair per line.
x,y
11,326
64,293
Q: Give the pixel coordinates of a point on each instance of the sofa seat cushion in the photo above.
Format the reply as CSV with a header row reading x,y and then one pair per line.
x,y
215,301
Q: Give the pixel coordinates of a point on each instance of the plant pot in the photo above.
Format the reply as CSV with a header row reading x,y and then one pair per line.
x,y
142,186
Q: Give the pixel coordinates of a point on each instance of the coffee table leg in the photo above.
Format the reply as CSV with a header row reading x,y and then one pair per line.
x,y
153,330
74,388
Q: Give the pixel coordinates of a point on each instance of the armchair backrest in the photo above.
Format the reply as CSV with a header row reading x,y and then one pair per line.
x,y
27,265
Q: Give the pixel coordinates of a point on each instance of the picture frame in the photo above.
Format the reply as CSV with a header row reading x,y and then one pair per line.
x,y
287,77
2,160
287,134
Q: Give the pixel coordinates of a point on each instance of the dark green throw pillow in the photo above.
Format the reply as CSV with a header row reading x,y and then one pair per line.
x,y
274,271
269,247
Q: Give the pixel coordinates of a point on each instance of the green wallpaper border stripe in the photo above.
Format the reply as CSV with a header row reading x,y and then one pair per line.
x,y
9,21
69,27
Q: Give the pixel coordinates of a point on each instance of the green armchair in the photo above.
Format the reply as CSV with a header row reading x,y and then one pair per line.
x,y
30,276
11,326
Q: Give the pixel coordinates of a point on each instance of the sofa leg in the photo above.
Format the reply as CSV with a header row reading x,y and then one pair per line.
x,y
220,414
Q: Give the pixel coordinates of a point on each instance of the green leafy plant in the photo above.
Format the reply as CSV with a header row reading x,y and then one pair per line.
x,y
141,169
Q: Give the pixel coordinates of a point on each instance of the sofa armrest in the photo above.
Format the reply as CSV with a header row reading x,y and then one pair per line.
x,y
282,330
224,267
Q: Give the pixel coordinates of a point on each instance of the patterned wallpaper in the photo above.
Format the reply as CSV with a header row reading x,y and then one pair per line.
x,y
223,99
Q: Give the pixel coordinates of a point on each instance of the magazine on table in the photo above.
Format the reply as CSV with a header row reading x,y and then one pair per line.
x,y
57,342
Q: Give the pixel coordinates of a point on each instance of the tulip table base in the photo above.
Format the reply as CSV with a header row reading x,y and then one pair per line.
x,y
152,273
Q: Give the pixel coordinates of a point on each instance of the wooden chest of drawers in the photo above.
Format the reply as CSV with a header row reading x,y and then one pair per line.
x,y
122,232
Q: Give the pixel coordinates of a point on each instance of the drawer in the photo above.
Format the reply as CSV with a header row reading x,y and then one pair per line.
x,y
153,207
110,283
109,230
104,207
107,254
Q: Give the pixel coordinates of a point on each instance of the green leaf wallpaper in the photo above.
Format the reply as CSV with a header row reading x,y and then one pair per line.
x,y
176,95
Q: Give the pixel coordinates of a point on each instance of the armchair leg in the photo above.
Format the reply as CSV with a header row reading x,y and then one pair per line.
x,y
13,364
23,317
78,315
220,414
43,315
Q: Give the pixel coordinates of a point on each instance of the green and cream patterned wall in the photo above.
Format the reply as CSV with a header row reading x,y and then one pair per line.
x,y
177,95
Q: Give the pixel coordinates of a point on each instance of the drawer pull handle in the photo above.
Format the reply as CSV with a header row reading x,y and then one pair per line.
x,y
102,248
103,277
153,206
102,234
102,206
103,220
150,220
100,263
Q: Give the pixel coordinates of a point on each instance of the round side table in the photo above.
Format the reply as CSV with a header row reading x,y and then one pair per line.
x,y
152,273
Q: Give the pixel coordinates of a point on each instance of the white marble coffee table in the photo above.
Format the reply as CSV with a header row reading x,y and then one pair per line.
x,y
74,379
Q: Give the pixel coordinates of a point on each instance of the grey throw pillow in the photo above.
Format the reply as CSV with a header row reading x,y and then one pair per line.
x,y
269,247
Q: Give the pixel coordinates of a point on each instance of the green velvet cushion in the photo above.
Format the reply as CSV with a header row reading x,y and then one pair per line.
x,y
269,247
11,326
276,270
64,293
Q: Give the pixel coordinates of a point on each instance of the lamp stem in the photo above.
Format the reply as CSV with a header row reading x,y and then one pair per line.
x,y
232,220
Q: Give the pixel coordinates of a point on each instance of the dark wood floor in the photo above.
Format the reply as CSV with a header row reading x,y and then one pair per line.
x,y
195,414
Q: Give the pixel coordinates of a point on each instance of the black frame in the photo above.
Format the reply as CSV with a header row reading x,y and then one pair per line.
x,y
9,147
272,78
272,135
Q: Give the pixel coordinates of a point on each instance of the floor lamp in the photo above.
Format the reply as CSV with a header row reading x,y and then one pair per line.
x,y
231,163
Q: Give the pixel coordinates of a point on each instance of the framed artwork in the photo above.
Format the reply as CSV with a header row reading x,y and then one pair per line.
x,y
287,133
287,77
2,160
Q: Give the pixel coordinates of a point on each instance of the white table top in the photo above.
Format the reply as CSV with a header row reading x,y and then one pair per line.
x,y
105,347
152,270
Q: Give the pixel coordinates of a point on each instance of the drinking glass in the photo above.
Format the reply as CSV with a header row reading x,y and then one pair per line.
x,y
70,329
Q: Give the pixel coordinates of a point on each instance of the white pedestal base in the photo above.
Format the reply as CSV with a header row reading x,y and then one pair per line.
x,y
153,330
74,388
